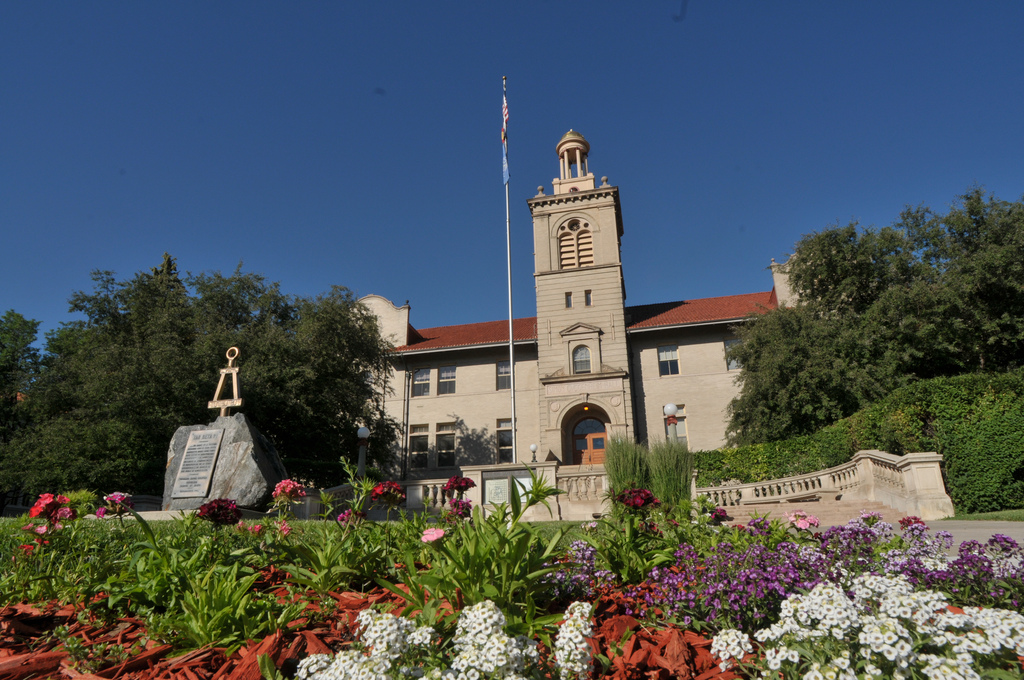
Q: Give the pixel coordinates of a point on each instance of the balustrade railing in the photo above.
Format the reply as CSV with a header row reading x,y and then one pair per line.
x,y
912,483
581,485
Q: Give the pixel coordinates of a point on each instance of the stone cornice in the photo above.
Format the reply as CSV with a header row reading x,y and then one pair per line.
x,y
555,200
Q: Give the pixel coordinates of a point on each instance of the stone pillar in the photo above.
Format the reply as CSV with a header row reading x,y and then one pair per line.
x,y
922,473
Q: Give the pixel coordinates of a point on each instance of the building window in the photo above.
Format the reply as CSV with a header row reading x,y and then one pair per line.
x,y
446,380
668,360
505,452
445,442
581,359
421,382
730,363
588,299
568,300
418,446
504,375
575,245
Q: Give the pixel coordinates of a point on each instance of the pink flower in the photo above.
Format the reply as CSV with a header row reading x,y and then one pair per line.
x,y
431,535
101,512
801,520
351,516
283,528
41,529
289,489
65,513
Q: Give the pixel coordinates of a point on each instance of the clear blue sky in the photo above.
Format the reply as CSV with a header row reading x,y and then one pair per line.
x,y
358,144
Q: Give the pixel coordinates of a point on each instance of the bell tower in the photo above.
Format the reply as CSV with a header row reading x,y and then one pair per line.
x,y
582,350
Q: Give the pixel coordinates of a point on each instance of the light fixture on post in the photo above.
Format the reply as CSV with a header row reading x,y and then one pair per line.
x,y
533,450
670,411
363,434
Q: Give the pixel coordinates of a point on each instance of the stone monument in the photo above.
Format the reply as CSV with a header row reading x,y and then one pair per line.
x,y
227,458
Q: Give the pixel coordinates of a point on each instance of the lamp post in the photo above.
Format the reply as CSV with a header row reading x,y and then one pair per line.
x,y
363,433
670,411
533,450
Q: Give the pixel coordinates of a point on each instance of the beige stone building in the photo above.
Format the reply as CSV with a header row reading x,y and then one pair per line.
x,y
587,367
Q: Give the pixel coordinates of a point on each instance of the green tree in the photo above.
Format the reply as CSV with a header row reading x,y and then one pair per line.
x,y
932,295
145,359
19,365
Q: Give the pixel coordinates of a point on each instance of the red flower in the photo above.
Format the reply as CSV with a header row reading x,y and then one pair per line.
x,y
388,493
52,508
637,499
221,511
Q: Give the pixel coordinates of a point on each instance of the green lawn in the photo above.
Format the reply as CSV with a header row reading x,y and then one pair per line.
x,y
1001,515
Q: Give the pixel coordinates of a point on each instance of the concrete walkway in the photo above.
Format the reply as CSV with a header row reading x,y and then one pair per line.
x,y
977,530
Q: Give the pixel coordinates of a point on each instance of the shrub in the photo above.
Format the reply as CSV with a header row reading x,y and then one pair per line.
x,y
976,421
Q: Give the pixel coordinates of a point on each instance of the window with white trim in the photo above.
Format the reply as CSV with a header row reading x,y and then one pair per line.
x,y
504,375
504,430
446,380
421,382
731,363
419,446
668,360
581,360
444,441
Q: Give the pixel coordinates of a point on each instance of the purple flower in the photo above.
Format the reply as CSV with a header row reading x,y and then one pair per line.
x,y
576,576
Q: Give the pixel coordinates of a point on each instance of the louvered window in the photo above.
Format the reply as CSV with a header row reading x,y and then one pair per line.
x,y
575,246
585,249
567,251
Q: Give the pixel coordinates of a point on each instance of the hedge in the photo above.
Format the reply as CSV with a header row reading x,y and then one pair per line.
x,y
975,421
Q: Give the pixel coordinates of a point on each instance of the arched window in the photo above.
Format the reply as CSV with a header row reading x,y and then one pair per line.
x,y
581,359
575,245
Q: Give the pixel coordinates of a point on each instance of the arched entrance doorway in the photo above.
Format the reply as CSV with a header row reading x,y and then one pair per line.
x,y
588,441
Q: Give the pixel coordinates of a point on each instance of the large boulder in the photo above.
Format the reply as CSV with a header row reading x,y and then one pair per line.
x,y
246,468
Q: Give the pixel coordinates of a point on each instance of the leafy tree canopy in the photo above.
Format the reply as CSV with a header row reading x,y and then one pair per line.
x,y
19,364
931,295
113,387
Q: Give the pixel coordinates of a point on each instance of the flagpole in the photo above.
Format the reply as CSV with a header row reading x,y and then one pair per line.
x,y
508,254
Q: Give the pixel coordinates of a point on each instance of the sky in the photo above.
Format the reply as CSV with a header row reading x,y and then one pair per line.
x,y
358,143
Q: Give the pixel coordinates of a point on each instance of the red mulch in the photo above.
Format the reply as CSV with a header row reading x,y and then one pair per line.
x,y
28,652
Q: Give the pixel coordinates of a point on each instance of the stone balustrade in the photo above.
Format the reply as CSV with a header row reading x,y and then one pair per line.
x,y
911,483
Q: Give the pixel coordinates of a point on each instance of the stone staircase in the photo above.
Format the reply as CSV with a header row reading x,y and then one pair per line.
x,y
828,512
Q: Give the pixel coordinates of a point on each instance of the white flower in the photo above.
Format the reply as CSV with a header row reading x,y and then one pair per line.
x,y
729,645
572,651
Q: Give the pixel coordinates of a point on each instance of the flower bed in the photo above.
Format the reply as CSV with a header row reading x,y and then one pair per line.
x,y
651,592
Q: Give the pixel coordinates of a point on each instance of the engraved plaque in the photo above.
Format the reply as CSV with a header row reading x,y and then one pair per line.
x,y
196,471
496,490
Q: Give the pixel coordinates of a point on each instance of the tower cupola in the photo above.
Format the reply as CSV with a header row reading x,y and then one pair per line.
x,y
574,174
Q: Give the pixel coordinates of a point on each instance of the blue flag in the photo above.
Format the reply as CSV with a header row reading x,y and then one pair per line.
x,y
504,137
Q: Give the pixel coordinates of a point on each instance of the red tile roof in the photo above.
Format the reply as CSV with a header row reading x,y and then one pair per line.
x,y
486,333
704,310
641,316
